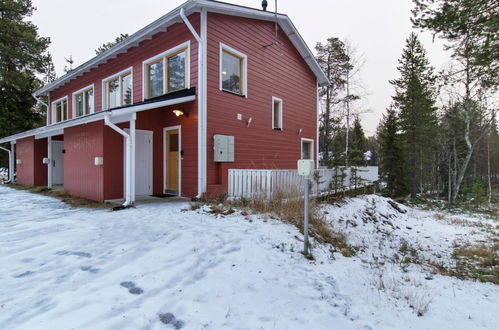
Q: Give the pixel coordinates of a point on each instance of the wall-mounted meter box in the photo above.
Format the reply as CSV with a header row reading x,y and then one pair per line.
x,y
305,167
223,148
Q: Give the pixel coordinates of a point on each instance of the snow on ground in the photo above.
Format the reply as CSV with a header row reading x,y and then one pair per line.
x,y
160,266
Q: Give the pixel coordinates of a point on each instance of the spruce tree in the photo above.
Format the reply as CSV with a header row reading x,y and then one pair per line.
x,y
23,58
415,100
358,144
392,165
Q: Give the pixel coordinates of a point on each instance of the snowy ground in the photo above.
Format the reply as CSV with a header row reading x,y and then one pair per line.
x,y
161,267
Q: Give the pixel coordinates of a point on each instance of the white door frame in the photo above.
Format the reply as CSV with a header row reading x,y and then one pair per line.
x,y
165,157
151,135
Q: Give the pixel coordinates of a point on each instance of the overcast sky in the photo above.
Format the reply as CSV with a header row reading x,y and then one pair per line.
x,y
377,29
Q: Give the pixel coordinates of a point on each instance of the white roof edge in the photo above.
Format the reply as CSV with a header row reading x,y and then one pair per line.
x,y
50,130
190,7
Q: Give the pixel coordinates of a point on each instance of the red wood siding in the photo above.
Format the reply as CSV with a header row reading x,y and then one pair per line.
x,y
134,57
25,153
276,70
82,144
154,120
31,153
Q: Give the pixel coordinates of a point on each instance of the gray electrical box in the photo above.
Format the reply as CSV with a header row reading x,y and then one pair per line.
x,y
223,148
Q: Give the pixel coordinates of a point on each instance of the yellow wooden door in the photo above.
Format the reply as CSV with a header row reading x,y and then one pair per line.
x,y
172,152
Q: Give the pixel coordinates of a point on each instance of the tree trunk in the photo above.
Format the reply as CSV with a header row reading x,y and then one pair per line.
x,y
489,197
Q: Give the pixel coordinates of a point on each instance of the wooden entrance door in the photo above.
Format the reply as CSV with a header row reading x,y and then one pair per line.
x,y
172,152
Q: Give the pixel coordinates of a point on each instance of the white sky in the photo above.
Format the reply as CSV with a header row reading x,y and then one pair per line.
x,y
377,29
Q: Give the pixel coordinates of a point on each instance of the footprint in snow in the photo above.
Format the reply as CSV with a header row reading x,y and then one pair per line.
x,y
132,288
27,273
169,318
77,253
89,269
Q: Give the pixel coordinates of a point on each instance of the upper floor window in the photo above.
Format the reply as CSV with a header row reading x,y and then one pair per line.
x,y
167,72
83,101
60,110
233,70
118,90
276,113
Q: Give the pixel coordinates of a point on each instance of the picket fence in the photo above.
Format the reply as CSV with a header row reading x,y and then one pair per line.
x,y
249,183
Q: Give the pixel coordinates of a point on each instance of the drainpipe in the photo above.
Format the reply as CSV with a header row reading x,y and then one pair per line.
x,y
11,163
129,158
202,104
45,104
50,165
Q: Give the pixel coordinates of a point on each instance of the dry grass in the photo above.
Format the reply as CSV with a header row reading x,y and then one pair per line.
x,y
408,289
61,195
288,207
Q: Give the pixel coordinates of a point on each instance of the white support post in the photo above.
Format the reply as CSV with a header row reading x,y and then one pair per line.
x,y
132,158
10,163
50,164
129,156
202,98
12,167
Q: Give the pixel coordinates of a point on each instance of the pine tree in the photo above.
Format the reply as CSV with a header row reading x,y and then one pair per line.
x,y
415,100
108,45
23,58
334,61
391,153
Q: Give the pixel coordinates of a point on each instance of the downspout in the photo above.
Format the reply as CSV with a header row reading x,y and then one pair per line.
x,y
202,104
43,103
129,158
11,170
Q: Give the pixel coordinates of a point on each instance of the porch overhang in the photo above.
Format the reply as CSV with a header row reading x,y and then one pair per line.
x,y
117,115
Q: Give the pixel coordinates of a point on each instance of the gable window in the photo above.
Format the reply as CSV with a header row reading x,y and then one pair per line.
x,y
307,149
83,101
233,70
167,72
118,90
276,113
60,110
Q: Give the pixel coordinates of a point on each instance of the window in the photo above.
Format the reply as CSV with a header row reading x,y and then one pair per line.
x,y
276,113
307,147
83,102
233,69
118,90
60,110
167,72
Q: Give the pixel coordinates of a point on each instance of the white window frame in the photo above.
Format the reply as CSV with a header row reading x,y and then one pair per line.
x,y
80,91
64,98
244,57
311,147
105,106
274,99
163,56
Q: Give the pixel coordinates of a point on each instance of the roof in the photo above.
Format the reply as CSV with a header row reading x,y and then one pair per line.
x,y
173,17
118,115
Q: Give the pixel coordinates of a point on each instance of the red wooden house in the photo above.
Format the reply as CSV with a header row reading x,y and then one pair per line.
x,y
207,87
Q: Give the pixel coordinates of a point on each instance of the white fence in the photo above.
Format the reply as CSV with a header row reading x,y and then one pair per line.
x,y
265,183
